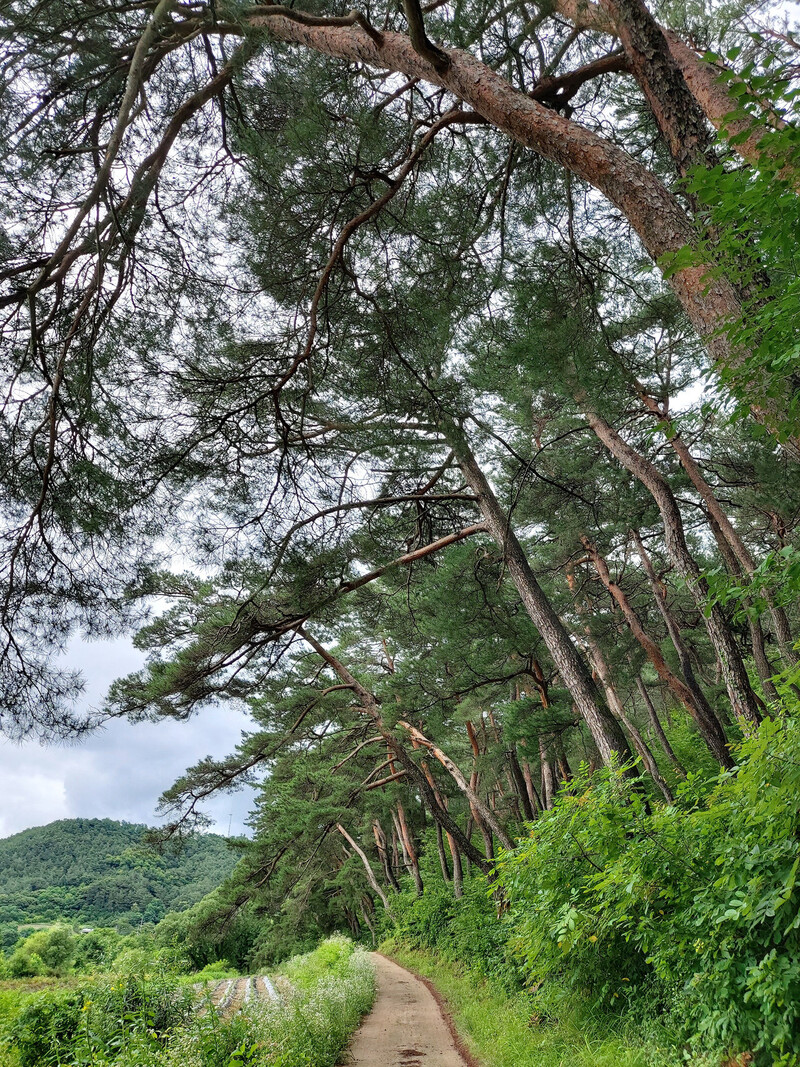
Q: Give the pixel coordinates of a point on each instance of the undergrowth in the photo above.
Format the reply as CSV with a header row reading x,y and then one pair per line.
x,y
504,1029
678,923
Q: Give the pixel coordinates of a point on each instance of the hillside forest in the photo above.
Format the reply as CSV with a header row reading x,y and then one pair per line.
x,y
98,872
423,380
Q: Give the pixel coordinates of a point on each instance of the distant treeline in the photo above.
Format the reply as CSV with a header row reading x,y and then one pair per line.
x,y
97,871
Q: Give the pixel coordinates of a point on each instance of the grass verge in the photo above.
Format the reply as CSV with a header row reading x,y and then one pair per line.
x,y
501,1029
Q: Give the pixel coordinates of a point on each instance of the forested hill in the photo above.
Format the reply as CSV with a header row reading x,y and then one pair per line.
x,y
98,871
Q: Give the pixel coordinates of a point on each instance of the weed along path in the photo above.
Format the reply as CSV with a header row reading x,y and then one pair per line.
x,y
406,1027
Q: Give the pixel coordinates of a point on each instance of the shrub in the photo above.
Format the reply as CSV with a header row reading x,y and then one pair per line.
x,y
693,908
98,1022
45,1029
43,952
469,930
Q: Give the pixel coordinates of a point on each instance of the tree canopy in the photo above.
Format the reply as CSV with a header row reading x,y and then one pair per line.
x,y
423,379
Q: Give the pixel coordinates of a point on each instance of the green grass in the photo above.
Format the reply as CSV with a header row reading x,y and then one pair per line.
x,y
502,1029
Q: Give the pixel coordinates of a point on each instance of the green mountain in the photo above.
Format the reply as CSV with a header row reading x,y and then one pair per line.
x,y
97,871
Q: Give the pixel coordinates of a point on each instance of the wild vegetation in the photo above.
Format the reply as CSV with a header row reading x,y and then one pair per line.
x,y
131,1018
424,380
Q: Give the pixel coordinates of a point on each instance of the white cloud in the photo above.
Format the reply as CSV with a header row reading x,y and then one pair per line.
x,y
120,771
30,798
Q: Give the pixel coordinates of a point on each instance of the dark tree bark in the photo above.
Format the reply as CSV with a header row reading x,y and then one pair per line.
x,y
742,698
674,631
383,852
642,749
676,111
519,785
604,728
724,530
702,78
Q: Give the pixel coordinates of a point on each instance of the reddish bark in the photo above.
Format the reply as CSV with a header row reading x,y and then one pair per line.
x,y
709,727
654,213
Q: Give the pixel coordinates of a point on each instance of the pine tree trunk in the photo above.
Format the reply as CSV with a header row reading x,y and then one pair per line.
x,y
733,670
371,708
383,852
658,729
639,743
656,215
604,728
533,796
519,785
549,784
410,853
373,881
710,729
724,530
458,874
442,856
479,808
564,769
674,631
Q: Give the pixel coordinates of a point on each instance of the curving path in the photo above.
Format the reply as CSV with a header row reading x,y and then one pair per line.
x,y
405,1028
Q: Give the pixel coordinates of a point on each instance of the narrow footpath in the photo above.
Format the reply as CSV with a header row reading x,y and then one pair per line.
x,y
405,1028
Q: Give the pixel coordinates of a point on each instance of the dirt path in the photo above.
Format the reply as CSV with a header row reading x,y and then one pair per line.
x,y
405,1027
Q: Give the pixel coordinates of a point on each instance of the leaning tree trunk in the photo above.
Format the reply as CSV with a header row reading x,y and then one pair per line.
x,y
674,631
725,529
656,215
481,809
598,661
520,785
742,698
371,708
604,728
704,80
658,729
676,111
708,725
373,881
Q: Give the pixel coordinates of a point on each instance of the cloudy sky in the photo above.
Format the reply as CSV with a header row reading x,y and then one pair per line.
x,y
120,771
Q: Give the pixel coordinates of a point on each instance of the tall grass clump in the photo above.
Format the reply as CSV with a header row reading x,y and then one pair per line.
x,y
323,995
